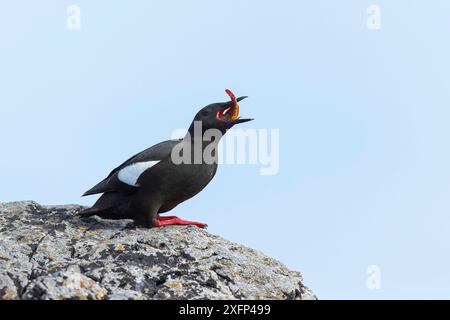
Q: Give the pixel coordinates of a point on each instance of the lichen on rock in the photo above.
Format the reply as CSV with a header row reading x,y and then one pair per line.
x,y
47,252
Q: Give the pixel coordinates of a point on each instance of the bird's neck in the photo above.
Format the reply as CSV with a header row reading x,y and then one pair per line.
x,y
202,146
202,141
197,133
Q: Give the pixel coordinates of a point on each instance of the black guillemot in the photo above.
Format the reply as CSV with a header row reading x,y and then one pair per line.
x,y
155,181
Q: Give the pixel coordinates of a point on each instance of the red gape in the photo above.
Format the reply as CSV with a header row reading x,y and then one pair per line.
x,y
173,220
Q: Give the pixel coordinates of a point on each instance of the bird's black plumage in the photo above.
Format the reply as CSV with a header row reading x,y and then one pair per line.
x,y
157,152
151,182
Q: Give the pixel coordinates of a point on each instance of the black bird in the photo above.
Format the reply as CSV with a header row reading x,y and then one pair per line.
x,y
159,178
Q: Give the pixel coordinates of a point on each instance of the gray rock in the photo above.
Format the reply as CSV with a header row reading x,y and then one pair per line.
x,y
46,252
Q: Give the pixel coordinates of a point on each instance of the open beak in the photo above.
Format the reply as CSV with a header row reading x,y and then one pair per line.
x,y
231,113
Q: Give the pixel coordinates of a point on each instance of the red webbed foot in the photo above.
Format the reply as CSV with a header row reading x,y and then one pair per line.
x,y
173,220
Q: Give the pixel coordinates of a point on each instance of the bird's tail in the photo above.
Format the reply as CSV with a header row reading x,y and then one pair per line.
x,y
107,206
88,212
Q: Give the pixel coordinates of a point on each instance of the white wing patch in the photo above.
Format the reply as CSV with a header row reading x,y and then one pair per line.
x,y
130,174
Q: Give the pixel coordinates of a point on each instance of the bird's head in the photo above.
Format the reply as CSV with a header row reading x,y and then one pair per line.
x,y
221,115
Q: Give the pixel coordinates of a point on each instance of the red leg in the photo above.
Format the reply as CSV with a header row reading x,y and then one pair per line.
x,y
173,220
160,218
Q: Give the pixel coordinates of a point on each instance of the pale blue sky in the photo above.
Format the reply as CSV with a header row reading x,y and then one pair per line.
x,y
363,116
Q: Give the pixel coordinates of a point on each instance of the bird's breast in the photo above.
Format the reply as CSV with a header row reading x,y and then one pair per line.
x,y
179,182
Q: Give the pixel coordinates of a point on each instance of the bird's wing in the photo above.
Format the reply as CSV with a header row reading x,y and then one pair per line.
x,y
124,177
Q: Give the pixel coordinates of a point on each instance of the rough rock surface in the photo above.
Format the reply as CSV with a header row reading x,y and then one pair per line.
x,y
46,252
